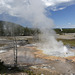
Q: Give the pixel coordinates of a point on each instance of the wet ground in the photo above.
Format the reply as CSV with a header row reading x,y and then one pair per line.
x,y
27,56
39,62
24,56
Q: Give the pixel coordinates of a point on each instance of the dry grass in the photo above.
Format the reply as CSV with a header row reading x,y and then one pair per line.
x,y
2,45
70,42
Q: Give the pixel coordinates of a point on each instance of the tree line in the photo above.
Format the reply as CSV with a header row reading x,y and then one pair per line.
x,y
64,30
12,29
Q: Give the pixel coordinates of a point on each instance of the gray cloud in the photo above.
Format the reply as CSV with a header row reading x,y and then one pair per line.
x,y
56,5
30,10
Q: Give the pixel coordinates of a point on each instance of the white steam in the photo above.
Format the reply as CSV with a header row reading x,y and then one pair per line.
x,y
34,11
30,10
58,2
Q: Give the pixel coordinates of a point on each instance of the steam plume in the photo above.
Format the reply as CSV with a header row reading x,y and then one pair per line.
x,y
34,11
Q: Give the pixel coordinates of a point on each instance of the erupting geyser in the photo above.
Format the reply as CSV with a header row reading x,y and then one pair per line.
x,y
33,12
51,46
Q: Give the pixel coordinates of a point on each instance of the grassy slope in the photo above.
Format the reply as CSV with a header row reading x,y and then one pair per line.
x,y
70,42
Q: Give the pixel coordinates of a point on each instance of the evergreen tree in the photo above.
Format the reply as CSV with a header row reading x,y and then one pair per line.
x,y
1,29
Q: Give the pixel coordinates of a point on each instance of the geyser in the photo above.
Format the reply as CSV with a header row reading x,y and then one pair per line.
x,y
33,11
51,46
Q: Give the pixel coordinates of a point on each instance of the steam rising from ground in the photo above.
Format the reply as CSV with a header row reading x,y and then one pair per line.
x,y
51,46
33,11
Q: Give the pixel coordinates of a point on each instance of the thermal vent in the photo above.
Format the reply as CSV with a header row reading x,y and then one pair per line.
x,y
34,13
57,51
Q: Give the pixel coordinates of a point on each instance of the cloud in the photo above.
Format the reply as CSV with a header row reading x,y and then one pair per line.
x,y
66,26
56,5
55,2
8,6
29,10
71,26
69,23
56,9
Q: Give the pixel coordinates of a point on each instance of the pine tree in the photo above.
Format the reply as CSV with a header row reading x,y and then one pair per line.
x,y
1,29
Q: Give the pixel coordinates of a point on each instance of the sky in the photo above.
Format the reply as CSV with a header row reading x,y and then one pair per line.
x,y
64,18
62,12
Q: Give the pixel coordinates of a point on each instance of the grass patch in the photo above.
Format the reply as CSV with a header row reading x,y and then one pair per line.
x,y
70,42
6,70
2,45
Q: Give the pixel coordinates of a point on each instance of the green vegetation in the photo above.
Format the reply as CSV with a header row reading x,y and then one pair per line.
x,y
5,70
70,42
12,29
1,29
2,45
64,30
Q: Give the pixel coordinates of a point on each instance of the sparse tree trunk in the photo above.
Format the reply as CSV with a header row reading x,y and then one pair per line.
x,y
15,51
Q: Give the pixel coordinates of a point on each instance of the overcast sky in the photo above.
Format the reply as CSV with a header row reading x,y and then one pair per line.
x,y
62,12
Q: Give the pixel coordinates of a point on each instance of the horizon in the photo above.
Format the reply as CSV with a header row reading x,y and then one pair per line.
x,y
33,27
61,12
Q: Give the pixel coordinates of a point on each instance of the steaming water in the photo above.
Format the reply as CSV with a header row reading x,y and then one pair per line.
x,y
59,52
52,52
33,12
1,51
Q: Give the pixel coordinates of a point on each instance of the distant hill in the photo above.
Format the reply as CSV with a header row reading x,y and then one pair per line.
x,y
9,28
12,29
10,23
